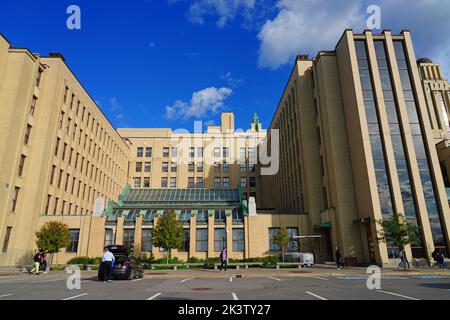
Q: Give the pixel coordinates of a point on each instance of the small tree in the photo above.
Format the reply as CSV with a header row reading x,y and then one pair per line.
x,y
52,237
398,231
168,233
282,240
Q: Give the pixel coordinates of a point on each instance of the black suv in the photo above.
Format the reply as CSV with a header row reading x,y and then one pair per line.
x,y
125,267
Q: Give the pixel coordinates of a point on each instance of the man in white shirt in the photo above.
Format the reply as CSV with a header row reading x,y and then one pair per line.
x,y
107,261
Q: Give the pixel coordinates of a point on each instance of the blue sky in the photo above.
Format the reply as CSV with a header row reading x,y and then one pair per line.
x,y
164,63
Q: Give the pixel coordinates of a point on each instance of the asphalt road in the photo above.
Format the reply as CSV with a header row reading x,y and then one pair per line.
x,y
229,287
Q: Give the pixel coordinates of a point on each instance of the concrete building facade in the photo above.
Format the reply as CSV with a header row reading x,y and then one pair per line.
x,y
362,132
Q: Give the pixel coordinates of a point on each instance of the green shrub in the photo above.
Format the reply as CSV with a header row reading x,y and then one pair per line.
x,y
85,260
195,260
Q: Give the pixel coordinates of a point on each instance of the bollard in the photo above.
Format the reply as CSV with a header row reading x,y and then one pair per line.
x,y
237,267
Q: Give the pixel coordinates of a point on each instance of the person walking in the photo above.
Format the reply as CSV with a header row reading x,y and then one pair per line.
x,y
404,263
44,261
338,258
107,263
36,262
223,259
440,259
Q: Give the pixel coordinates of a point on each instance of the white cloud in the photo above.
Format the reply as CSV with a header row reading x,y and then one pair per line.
x,y
114,105
203,102
307,26
225,10
228,78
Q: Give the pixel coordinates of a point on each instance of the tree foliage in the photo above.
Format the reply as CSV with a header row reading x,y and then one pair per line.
x,y
398,232
281,239
53,236
168,233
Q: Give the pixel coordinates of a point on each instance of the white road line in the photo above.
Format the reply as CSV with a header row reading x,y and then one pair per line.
x,y
320,278
154,296
398,295
184,280
315,295
135,280
6,295
234,296
77,296
273,278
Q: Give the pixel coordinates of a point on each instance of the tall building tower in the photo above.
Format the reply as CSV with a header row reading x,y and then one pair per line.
x,y
357,145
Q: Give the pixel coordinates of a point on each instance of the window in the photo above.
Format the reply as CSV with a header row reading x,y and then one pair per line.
x,y
109,237
128,238
220,239
199,166
217,182
191,167
26,139
174,152
21,164
191,152
165,167
202,216
138,166
200,152
217,167
185,216
242,155
293,245
190,182
73,246
6,240
147,167
147,244
217,152
272,234
219,216
238,240
33,106
57,146
251,155
243,167
186,240
252,167
199,182
238,216
173,167
149,216
38,77
165,152
148,152
226,182
202,240
164,182
15,198
173,182
137,182
47,204
226,167
244,182
252,181
146,182
140,152
226,152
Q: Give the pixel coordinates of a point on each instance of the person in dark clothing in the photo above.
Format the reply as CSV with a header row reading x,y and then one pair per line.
x,y
107,264
36,262
44,261
440,259
338,258
223,259
404,263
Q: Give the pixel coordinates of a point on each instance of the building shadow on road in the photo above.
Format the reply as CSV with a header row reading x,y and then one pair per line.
x,y
444,286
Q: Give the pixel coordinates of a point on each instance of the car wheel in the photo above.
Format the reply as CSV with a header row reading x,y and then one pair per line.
x,y
132,275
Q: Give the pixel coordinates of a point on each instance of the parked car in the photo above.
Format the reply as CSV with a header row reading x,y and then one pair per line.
x,y
125,266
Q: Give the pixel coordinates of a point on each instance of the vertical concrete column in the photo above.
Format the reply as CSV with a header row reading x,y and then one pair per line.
x,y
138,235
247,237
229,233
119,230
193,237
211,252
155,250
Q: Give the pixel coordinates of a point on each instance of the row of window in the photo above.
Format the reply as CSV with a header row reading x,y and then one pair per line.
x,y
63,207
218,182
218,152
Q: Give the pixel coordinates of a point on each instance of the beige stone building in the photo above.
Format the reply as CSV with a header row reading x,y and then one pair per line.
x,y
362,132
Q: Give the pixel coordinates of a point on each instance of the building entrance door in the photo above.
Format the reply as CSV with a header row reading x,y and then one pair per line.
x,y
370,242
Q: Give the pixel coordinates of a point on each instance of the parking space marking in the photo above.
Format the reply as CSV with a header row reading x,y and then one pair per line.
x,y
77,296
320,278
315,295
154,296
273,278
398,295
135,280
234,296
6,295
184,280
